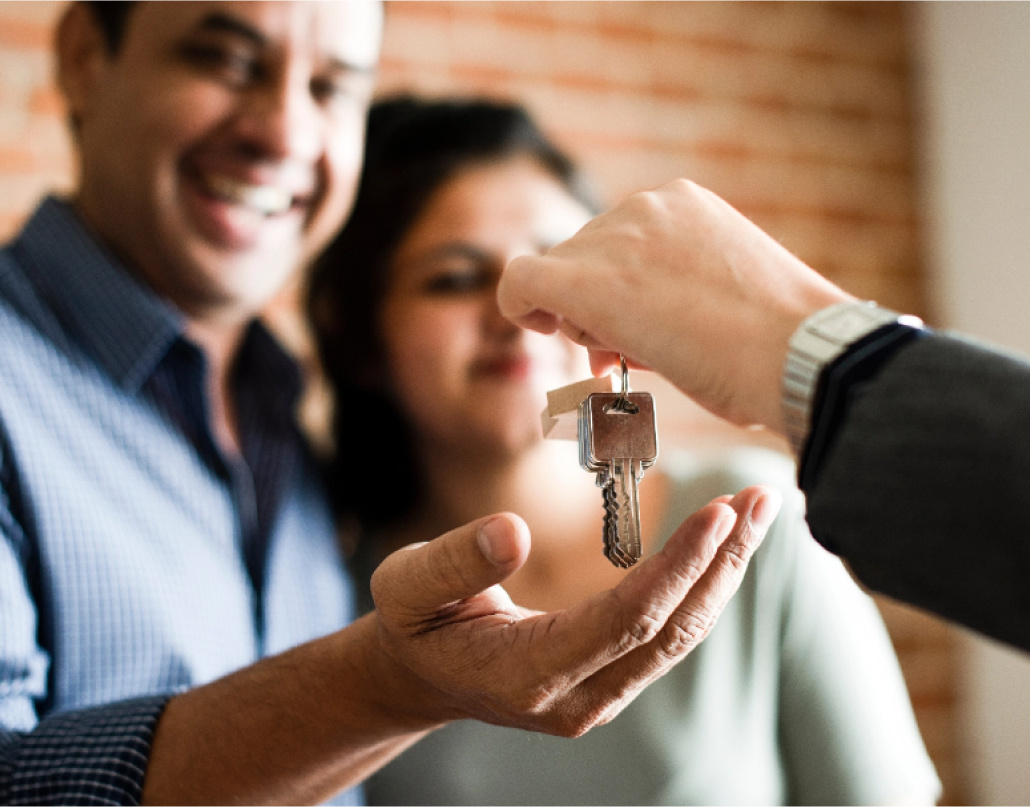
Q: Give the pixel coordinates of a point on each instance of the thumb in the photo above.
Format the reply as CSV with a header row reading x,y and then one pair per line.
x,y
457,565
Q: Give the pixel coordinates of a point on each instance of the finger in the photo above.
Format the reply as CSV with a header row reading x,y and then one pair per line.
x,y
603,362
756,508
603,628
540,321
578,335
523,273
707,596
539,292
455,566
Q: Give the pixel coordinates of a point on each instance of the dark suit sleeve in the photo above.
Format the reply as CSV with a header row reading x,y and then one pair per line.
x,y
925,489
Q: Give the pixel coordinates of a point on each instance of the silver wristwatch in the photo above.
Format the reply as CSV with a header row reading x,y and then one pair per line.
x,y
817,342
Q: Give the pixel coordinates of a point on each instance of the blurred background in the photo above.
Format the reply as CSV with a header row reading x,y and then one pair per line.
x,y
884,143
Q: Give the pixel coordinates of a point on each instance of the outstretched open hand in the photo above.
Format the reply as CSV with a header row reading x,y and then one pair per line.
x,y
444,618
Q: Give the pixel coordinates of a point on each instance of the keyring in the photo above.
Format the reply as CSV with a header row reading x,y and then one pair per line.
x,y
623,404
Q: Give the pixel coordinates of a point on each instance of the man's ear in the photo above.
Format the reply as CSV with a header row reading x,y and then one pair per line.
x,y
82,55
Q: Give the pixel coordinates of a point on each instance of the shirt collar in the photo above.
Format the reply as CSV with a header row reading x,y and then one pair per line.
x,y
116,317
122,323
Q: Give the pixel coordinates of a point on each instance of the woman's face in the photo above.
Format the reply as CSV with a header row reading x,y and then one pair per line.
x,y
463,374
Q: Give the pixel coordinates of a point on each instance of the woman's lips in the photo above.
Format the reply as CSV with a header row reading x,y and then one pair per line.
x,y
507,367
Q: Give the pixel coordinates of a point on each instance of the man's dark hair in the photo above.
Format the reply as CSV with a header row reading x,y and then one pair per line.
x,y
413,146
112,16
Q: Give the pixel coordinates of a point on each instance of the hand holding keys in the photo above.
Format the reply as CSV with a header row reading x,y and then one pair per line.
x,y
618,440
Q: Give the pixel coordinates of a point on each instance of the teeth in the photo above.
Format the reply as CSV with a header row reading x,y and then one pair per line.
x,y
266,199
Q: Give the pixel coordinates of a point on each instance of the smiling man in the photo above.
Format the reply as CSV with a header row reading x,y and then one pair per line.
x,y
165,517
175,616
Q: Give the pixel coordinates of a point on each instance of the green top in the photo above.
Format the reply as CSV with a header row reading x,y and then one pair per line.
x,y
795,697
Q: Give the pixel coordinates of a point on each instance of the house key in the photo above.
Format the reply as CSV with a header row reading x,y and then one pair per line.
x,y
618,440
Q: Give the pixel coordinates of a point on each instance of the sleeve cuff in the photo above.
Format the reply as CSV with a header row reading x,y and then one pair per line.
x,y
93,756
838,385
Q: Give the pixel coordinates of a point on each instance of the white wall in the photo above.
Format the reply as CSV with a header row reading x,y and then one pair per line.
x,y
974,67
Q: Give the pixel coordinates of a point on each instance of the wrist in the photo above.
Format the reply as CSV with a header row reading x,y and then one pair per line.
x,y
395,696
821,342
777,335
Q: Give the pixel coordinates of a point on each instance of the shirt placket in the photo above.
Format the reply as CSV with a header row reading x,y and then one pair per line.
x,y
180,388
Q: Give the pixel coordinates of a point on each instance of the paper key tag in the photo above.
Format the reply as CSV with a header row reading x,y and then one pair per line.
x,y
560,418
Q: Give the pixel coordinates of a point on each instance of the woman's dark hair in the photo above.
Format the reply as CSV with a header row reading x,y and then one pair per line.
x,y
412,147
112,16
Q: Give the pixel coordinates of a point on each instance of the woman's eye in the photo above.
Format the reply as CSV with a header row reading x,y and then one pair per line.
x,y
232,66
458,281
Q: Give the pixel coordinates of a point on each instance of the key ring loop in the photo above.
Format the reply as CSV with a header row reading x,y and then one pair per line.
x,y
623,404
624,373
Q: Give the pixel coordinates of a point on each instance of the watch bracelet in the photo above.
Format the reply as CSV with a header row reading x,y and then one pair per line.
x,y
821,339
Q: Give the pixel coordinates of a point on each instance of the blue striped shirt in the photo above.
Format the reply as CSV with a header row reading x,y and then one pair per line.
x,y
136,558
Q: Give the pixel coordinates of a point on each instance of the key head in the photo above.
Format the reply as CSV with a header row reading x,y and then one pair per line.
x,y
607,435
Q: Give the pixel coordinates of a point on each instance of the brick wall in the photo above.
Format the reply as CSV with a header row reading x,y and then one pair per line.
x,y
799,114
34,153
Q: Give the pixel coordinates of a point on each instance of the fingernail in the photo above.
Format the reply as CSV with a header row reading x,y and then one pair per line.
x,y
766,510
494,542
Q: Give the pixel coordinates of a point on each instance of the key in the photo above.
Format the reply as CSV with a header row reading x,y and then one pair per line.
x,y
618,440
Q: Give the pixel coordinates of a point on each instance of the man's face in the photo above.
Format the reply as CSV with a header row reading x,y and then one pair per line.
x,y
221,145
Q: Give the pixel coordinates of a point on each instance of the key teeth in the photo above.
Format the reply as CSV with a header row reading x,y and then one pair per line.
x,y
622,504
621,559
612,550
610,528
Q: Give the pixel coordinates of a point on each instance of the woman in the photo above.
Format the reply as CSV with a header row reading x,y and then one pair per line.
x,y
795,696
